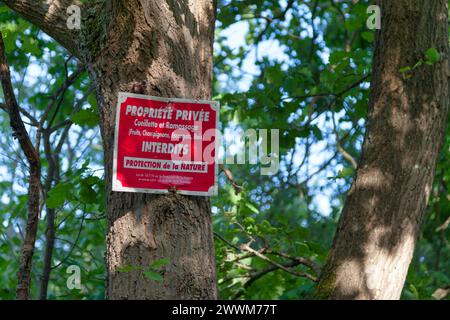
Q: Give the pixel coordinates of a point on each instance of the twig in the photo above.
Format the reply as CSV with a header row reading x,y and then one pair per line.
x,y
226,241
230,178
57,99
246,247
76,108
33,120
347,156
444,225
259,274
71,249
306,262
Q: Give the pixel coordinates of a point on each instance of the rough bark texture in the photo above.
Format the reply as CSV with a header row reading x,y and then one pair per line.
x,y
161,48
51,16
406,122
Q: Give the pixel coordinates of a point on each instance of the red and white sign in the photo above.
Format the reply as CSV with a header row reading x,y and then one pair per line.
x,y
163,145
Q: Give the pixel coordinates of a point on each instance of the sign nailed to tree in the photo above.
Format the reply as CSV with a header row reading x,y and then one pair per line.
x,y
164,145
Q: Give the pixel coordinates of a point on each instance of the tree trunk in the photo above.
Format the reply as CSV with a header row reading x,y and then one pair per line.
x,y
381,219
161,48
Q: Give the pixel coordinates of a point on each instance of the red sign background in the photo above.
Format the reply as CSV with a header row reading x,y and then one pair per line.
x,y
144,148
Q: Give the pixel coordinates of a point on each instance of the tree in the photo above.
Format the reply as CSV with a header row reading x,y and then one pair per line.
x,y
302,67
34,182
385,206
157,48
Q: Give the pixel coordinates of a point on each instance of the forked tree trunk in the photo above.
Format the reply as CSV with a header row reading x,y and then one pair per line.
x,y
406,122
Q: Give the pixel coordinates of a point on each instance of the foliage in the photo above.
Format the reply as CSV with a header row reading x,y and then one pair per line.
x,y
302,67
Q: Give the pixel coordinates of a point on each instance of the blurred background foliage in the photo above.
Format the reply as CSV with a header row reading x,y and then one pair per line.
x,y
302,67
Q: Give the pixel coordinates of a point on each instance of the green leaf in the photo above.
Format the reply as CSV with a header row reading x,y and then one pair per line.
x,y
125,269
405,69
337,56
3,9
31,45
317,133
87,194
58,195
302,249
153,275
414,291
361,109
252,207
159,263
433,56
342,174
249,221
352,24
86,117
368,36
346,172
9,31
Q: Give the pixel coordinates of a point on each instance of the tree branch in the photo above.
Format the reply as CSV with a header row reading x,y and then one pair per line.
x,y
230,178
246,247
300,260
347,156
34,182
50,16
259,274
67,123
33,120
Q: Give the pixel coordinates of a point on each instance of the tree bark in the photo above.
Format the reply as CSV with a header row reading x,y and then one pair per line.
x,y
50,16
381,219
161,48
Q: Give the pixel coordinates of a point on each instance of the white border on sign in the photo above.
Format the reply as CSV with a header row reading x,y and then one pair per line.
x,y
117,185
